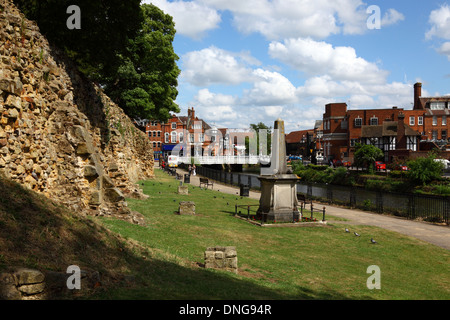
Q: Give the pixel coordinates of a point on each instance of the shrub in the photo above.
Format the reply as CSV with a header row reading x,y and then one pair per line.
x,y
424,170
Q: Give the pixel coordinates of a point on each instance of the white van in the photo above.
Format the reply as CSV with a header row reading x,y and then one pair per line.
x,y
173,161
445,162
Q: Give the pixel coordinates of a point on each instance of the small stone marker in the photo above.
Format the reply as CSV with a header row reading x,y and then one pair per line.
x,y
183,189
186,208
221,258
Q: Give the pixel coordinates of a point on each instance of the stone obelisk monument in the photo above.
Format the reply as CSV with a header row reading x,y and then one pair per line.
x,y
278,200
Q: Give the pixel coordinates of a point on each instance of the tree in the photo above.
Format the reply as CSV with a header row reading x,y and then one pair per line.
x,y
123,46
366,155
425,169
257,128
106,27
145,84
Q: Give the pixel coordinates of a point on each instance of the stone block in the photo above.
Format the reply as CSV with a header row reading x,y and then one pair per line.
x,y
28,276
221,258
187,208
183,190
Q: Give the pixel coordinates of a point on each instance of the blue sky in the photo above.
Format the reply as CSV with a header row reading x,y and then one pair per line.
x,y
250,61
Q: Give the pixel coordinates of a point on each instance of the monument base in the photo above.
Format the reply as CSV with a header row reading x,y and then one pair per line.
x,y
278,200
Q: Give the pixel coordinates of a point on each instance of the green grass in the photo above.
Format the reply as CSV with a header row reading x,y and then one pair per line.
x,y
274,263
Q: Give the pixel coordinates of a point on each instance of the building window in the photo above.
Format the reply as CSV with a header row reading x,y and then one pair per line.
x,y
154,133
174,137
180,136
434,120
437,105
420,121
444,134
191,137
166,137
444,120
358,123
154,145
411,143
353,142
159,144
174,125
149,133
374,121
201,137
344,124
412,121
434,135
159,134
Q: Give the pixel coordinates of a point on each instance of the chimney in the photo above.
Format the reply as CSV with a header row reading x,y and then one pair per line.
x,y
401,138
191,113
417,95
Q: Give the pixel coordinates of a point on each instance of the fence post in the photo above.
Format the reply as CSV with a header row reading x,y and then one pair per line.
x,y
323,218
248,212
330,193
379,202
312,210
249,182
353,198
235,209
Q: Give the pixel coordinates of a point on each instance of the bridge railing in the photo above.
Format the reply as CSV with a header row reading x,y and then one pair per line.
x,y
252,159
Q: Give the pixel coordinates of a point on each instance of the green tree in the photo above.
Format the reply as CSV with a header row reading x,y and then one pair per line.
x,y
424,170
366,155
145,84
257,128
106,27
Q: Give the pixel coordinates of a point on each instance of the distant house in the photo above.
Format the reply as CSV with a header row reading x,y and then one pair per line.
x,y
185,131
300,143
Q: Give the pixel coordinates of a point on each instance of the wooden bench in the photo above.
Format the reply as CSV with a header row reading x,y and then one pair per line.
x,y
204,181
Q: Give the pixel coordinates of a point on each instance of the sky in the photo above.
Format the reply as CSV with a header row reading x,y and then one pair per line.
x,y
248,61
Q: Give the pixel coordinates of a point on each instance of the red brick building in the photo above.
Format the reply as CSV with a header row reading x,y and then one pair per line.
x,y
399,133
188,131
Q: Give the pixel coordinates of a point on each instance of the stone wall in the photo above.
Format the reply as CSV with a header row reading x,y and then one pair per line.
x,y
59,134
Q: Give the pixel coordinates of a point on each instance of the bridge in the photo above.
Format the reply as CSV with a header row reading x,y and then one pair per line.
x,y
212,160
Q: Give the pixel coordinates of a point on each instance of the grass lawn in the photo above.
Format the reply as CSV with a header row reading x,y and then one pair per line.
x,y
274,263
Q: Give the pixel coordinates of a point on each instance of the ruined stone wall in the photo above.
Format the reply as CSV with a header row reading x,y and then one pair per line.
x,y
59,134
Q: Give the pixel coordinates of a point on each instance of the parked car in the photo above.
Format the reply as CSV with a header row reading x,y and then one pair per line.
x,y
445,162
337,163
402,167
347,164
379,165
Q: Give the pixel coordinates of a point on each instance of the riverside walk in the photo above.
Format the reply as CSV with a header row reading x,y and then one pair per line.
x,y
434,234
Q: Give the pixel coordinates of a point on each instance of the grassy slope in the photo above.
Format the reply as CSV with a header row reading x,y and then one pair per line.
x,y
165,257
38,233
274,263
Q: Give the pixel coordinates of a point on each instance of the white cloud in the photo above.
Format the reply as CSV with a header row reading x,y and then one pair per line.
x,y
391,17
318,58
269,89
440,23
192,18
215,66
445,50
280,19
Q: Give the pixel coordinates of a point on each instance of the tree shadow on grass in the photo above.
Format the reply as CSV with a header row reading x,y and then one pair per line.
x,y
37,233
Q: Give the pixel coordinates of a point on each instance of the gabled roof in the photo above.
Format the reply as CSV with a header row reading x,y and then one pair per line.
x,y
297,136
